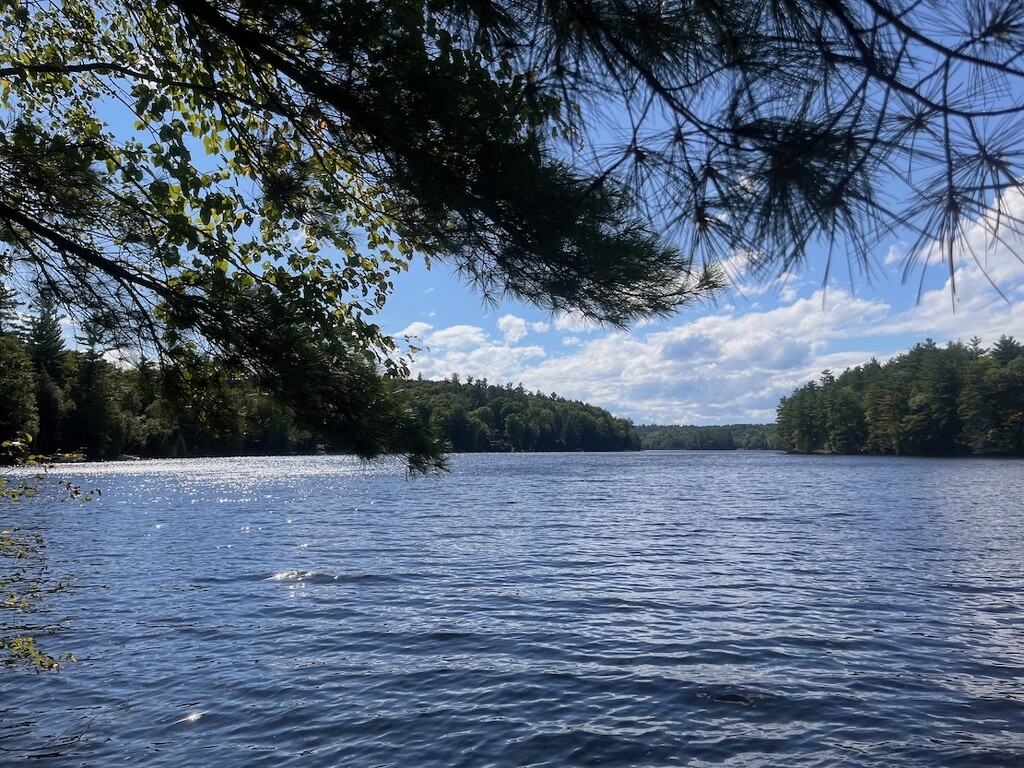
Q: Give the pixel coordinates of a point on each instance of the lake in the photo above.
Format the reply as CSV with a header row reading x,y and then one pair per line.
x,y
646,609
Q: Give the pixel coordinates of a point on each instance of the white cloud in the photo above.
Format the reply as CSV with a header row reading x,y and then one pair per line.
x,y
122,357
716,368
497,363
415,330
895,255
456,337
512,328
723,367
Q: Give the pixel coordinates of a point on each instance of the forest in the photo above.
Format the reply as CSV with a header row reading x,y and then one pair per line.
x,y
475,416
728,437
961,399
78,402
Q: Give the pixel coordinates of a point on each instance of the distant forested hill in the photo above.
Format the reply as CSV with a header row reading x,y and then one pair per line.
x,y
477,416
71,401
929,401
74,401
743,437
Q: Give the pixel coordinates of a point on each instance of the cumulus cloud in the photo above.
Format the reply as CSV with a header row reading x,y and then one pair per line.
x,y
456,337
513,328
720,367
468,351
415,330
895,255
497,363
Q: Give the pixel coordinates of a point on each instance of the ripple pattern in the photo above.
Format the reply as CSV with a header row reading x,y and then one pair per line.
x,y
653,609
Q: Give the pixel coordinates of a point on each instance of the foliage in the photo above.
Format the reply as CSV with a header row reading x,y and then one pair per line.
x,y
43,336
237,184
730,437
16,451
23,586
18,411
958,399
24,582
101,411
475,416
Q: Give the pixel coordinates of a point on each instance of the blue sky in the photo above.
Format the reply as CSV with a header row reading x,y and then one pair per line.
x,y
727,362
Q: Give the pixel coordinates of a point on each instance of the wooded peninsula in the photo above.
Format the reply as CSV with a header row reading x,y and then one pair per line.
x,y
960,399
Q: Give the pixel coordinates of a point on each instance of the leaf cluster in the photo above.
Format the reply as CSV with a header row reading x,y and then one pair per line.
x,y
24,582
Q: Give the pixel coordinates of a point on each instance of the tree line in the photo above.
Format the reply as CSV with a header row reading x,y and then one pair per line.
x,y
952,400
728,437
78,401
961,399
475,416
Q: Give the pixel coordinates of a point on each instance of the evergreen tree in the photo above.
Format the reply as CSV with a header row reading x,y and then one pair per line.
x,y
1006,350
845,424
45,338
977,406
928,401
802,426
96,423
18,412
9,304
1006,434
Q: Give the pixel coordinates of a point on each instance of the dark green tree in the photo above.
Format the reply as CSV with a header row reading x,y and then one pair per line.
x,y
801,420
97,422
9,303
44,341
844,420
18,412
1007,434
743,437
1006,350
45,338
931,401
931,425
978,406
476,416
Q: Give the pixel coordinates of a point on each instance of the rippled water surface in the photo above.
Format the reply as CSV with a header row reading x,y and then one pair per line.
x,y
697,609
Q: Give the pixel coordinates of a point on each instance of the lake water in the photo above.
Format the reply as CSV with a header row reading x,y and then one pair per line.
x,y
651,609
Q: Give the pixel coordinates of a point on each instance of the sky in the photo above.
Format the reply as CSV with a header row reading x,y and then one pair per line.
x,y
724,362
